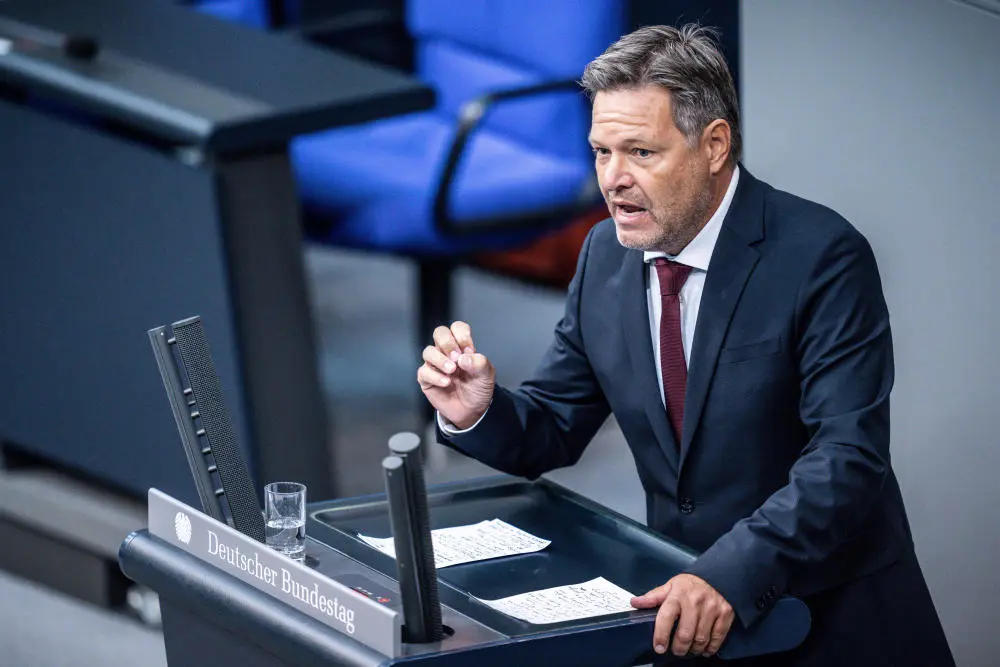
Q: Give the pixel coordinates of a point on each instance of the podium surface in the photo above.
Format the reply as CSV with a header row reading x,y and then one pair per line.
x,y
246,618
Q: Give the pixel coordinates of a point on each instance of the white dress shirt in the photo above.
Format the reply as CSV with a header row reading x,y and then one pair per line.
x,y
697,254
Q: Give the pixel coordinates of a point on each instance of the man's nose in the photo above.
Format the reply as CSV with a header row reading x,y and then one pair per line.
x,y
616,174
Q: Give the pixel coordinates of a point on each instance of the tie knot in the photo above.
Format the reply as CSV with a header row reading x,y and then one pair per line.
x,y
672,276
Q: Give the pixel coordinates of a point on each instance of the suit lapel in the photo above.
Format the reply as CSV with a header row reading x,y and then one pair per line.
x,y
733,261
635,320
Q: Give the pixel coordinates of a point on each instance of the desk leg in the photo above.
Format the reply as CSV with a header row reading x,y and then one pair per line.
x,y
434,308
261,229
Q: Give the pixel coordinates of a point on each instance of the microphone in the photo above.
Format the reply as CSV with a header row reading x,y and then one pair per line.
x,y
411,533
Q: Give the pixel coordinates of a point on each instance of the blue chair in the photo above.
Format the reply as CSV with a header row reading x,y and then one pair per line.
x,y
502,159
253,13
370,29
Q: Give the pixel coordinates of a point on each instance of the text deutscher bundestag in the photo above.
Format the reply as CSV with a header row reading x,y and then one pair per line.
x,y
283,580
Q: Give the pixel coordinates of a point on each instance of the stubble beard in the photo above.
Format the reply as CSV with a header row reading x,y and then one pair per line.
x,y
672,229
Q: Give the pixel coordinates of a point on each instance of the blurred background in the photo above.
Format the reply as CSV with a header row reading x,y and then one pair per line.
x,y
324,181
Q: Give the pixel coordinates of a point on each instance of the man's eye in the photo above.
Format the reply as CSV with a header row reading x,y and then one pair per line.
x,y
642,152
600,151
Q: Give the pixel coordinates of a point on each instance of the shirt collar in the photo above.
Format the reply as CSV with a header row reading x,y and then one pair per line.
x,y
698,253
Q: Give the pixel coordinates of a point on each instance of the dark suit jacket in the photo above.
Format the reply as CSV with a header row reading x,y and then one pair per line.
x,y
782,476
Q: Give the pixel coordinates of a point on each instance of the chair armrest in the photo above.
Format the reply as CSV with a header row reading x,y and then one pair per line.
x,y
470,118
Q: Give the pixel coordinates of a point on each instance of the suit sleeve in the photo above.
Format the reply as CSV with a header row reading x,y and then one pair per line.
x,y
844,353
548,421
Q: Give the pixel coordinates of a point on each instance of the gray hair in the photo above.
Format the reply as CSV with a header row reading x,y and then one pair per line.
x,y
686,62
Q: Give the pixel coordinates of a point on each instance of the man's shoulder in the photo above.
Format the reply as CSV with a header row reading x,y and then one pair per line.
x,y
603,246
793,220
604,232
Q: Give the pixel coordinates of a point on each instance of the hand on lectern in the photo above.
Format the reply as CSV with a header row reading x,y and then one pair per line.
x,y
702,615
457,380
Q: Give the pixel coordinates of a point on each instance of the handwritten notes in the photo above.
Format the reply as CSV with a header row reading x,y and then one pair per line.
x,y
596,597
464,544
495,538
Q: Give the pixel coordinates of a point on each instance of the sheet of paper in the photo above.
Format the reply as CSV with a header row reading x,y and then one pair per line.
x,y
597,597
464,544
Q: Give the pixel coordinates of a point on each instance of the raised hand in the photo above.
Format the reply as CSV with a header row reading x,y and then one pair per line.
x,y
457,380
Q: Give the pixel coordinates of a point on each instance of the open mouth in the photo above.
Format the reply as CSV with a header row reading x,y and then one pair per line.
x,y
626,213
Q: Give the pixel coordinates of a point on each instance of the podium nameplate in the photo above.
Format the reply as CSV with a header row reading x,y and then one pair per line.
x,y
274,574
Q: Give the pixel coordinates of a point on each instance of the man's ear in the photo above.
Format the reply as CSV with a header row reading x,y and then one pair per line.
x,y
716,142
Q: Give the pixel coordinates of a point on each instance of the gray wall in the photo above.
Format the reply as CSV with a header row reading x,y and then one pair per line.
x,y
888,112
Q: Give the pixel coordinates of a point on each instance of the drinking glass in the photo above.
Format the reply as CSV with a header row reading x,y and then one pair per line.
x,y
285,518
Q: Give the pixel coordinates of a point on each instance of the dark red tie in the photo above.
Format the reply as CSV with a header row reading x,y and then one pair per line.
x,y
673,368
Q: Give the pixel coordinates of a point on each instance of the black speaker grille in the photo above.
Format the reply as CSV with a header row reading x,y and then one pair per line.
x,y
236,482
422,524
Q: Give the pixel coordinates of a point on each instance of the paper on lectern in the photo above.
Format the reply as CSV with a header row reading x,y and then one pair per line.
x,y
597,597
464,544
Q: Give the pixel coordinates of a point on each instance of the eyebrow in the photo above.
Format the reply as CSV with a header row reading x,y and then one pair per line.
x,y
625,142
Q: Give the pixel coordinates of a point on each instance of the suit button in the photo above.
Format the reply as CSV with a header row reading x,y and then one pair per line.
x,y
761,604
687,506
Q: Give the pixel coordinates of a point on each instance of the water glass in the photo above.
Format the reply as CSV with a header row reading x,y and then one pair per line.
x,y
285,518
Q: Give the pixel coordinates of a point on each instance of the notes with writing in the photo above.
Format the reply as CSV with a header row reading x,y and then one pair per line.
x,y
464,544
597,597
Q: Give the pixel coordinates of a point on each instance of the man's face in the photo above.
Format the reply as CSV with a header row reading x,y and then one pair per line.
x,y
656,185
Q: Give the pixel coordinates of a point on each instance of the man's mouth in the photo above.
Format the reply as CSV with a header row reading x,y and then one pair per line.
x,y
626,212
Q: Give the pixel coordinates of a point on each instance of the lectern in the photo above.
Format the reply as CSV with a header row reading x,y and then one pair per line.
x,y
226,598
343,607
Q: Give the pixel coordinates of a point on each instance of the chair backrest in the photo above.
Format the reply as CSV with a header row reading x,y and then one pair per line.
x,y
263,14
253,13
465,48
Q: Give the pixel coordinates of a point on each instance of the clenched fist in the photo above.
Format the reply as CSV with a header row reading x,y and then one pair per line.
x,y
457,380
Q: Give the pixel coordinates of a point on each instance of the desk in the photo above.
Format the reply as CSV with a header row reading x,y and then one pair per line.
x,y
217,614
152,183
146,180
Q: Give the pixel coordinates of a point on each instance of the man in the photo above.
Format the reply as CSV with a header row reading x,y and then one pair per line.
x,y
740,336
